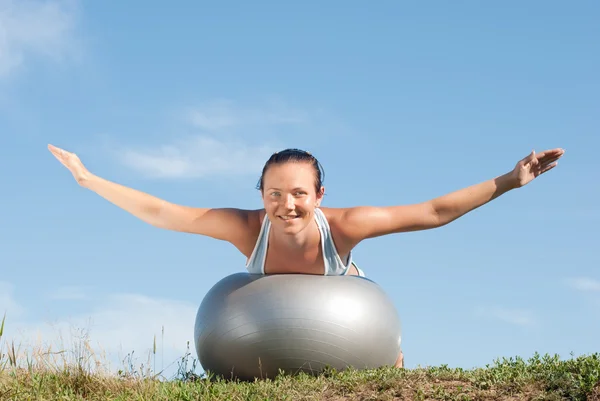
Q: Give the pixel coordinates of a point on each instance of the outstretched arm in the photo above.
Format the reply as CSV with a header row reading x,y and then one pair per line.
x,y
366,222
224,224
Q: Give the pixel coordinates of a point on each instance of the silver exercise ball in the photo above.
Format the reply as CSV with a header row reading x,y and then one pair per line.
x,y
251,326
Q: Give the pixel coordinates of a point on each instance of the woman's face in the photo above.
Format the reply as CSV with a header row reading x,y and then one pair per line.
x,y
289,196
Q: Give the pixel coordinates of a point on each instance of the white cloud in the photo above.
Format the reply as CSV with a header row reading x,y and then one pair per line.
x,y
230,140
223,114
118,326
198,156
517,317
29,29
586,284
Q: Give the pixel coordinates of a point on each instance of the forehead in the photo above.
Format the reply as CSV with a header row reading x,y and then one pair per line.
x,y
289,173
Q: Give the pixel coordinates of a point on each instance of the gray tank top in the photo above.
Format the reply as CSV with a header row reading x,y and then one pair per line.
x,y
334,266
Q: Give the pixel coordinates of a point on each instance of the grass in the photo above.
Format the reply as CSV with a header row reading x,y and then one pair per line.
x,y
77,375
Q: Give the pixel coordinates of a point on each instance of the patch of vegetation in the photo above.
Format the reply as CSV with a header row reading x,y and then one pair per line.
x,y
41,376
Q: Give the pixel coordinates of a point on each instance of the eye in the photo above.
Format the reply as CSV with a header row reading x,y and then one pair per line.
x,y
275,193
299,193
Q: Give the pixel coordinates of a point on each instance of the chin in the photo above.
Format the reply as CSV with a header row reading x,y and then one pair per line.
x,y
291,228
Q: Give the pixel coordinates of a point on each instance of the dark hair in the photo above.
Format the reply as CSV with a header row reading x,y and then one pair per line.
x,y
295,156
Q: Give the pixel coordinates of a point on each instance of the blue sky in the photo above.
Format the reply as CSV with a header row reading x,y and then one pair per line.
x,y
400,102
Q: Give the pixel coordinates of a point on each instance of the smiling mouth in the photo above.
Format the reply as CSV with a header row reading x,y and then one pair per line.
x,y
288,218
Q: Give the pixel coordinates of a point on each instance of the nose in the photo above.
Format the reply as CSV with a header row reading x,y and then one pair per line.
x,y
289,202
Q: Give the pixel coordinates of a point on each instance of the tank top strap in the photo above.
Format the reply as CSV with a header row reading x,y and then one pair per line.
x,y
333,263
256,262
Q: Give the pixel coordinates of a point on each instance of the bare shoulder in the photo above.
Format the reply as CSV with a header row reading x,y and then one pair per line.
x,y
341,228
333,214
350,222
255,219
240,227
246,239
355,224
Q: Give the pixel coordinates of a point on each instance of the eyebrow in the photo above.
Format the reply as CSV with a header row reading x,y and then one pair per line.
x,y
293,189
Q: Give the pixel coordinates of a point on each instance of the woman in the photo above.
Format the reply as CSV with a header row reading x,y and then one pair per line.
x,y
293,234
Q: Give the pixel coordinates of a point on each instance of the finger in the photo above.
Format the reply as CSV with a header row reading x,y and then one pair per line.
x,y
54,149
551,153
529,158
56,153
60,156
533,158
548,167
61,153
549,160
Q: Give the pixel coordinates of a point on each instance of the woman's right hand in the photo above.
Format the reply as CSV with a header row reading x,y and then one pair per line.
x,y
72,162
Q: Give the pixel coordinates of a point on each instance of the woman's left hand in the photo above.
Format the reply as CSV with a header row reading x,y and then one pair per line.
x,y
534,165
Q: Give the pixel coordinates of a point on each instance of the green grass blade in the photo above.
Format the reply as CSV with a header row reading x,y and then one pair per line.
x,y
2,326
